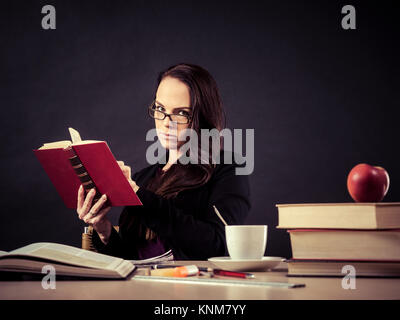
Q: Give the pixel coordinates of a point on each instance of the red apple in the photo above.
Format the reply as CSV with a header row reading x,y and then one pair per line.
x,y
367,183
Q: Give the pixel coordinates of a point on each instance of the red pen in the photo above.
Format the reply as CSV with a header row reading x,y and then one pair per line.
x,y
236,274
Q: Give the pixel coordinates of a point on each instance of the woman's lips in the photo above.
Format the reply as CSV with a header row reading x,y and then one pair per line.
x,y
167,135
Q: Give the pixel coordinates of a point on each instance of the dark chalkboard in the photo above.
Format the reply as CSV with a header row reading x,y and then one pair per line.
x,y
320,98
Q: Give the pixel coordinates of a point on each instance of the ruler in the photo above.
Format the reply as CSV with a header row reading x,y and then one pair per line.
x,y
220,281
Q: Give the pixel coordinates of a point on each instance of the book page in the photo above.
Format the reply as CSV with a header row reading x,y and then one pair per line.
x,y
75,136
167,256
58,144
69,255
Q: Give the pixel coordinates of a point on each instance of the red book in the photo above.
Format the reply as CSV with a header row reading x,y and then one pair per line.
x,y
90,163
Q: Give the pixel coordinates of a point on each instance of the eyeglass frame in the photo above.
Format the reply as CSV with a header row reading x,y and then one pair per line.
x,y
150,108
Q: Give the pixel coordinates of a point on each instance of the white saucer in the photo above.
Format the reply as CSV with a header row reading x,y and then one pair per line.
x,y
262,264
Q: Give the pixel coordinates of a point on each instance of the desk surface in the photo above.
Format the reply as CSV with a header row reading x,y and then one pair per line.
x,y
316,288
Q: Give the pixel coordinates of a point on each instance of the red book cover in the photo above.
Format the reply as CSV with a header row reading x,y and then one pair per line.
x,y
61,174
101,166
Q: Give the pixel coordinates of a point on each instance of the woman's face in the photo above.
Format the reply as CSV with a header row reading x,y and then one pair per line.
x,y
172,97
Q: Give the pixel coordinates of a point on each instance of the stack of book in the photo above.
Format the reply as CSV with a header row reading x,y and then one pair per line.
x,y
326,237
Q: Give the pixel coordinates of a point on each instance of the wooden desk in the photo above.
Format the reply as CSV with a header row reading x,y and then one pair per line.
x,y
316,288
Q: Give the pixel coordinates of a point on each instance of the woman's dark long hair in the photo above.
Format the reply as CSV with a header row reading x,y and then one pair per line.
x,y
207,113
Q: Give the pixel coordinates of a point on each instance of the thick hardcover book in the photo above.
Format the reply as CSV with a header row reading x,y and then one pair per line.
x,y
90,163
381,215
335,268
67,261
343,244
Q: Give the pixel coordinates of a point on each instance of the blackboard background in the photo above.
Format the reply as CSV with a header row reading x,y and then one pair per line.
x,y
321,99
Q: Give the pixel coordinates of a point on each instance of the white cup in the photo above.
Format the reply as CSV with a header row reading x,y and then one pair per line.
x,y
246,242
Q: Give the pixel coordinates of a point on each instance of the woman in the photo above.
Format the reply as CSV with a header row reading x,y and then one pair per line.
x,y
178,199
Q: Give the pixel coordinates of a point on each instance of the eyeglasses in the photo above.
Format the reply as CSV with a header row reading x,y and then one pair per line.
x,y
157,114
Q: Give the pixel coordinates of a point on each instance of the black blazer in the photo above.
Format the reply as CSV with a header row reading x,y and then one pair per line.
x,y
187,224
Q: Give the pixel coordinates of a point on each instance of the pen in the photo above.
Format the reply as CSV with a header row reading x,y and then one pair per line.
x,y
177,271
217,272
236,274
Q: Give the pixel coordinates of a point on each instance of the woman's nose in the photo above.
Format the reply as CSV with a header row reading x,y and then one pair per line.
x,y
168,123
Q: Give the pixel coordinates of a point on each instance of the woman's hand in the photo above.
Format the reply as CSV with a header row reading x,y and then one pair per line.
x,y
94,215
127,173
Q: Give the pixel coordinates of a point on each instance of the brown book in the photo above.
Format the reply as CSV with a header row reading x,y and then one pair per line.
x,y
67,261
339,215
345,244
333,268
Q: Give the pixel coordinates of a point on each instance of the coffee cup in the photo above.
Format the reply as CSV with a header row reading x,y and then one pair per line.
x,y
246,241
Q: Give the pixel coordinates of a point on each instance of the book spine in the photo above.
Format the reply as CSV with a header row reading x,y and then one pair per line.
x,y
82,173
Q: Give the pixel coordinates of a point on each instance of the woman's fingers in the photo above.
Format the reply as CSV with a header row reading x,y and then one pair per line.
x,y
125,169
96,208
81,198
94,211
134,186
127,172
87,203
99,216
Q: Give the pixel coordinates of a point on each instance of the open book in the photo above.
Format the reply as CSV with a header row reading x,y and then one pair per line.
x,y
90,163
66,260
165,257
